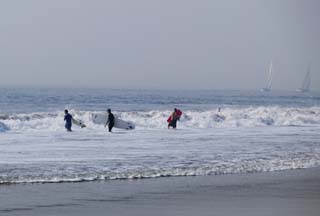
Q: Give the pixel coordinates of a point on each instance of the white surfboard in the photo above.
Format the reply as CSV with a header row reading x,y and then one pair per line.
x,y
219,117
100,118
78,122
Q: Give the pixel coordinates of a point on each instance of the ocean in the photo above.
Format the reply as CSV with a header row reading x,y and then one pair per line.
x,y
253,132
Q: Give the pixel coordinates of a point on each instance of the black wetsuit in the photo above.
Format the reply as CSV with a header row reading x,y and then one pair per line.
x,y
68,119
174,120
173,123
110,121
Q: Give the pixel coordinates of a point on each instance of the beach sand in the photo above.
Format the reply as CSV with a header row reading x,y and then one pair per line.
x,y
295,192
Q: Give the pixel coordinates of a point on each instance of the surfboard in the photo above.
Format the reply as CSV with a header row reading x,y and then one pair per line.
x,y
101,118
219,117
78,122
179,114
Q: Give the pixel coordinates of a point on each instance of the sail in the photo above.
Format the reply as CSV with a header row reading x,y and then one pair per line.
x,y
306,82
270,78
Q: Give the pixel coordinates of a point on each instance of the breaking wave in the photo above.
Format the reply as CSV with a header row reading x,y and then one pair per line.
x,y
228,117
3,127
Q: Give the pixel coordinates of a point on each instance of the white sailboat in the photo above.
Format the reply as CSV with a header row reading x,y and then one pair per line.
x,y
306,82
270,78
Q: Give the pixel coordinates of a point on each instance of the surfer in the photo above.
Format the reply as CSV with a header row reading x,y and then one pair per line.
x,y
68,120
175,116
179,113
110,121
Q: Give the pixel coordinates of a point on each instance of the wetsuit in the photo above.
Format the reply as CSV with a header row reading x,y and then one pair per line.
x,y
110,121
68,119
179,114
174,119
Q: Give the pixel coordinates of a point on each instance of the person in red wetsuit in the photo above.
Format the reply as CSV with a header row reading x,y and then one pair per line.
x,y
175,116
179,113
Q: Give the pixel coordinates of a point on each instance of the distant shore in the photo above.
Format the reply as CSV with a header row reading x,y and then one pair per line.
x,y
294,192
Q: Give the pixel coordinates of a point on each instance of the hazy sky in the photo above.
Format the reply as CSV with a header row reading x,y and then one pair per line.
x,y
205,44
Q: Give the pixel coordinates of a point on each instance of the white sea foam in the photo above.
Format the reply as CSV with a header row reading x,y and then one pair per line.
x,y
229,117
236,140
3,127
98,173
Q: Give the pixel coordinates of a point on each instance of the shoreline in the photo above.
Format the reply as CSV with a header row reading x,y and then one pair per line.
x,y
290,192
98,180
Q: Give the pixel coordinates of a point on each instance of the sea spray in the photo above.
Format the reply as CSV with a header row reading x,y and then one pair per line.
x,y
228,118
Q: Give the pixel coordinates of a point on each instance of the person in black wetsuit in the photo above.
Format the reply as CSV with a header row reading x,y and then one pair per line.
x,y
68,120
110,121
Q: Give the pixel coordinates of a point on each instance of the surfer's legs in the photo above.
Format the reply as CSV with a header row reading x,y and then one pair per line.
x,y
173,124
110,126
68,127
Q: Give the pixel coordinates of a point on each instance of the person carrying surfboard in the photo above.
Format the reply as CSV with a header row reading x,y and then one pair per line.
x,y
110,121
68,120
174,117
179,113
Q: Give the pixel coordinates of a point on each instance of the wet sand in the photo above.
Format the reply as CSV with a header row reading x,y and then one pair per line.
x,y
295,192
